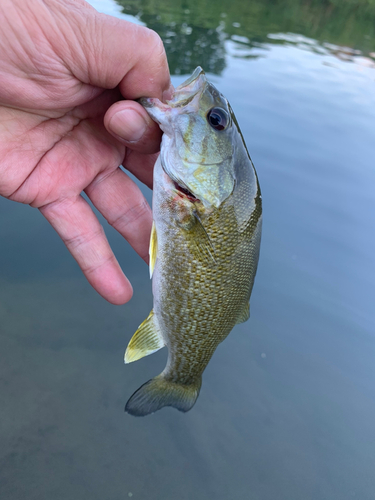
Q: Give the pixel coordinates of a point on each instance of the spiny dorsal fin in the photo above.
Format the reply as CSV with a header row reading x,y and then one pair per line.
x,y
244,315
153,249
146,340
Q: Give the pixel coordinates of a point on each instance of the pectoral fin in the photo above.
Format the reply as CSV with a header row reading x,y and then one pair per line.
x,y
153,250
146,340
244,315
202,245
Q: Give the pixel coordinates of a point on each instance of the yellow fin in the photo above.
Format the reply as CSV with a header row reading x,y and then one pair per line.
x,y
146,340
153,250
245,314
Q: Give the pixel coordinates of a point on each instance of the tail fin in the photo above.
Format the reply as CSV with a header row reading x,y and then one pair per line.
x,y
159,392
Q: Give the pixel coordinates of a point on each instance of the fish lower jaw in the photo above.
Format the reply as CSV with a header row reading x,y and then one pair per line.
x,y
178,186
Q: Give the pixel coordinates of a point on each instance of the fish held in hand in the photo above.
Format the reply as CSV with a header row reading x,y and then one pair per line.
x,y
204,244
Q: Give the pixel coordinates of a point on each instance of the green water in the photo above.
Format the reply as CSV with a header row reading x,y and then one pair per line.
x,y
287,406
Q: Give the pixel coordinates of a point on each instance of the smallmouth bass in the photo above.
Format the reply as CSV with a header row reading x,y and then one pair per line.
x,y
205,241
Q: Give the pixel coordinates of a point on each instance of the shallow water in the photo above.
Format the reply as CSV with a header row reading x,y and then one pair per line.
x,y
287,406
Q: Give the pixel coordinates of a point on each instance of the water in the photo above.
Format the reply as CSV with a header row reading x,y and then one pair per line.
x,y
287,407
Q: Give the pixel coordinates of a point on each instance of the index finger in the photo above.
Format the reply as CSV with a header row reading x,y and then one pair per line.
x,y
113,52
149,75
82,233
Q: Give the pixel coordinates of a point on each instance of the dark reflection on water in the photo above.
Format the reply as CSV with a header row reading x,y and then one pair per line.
x,y
194,33
287,407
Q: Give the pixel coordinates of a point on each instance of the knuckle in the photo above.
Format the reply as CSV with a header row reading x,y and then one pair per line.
x,y
82,239
131,215
157,42
156,49
91,268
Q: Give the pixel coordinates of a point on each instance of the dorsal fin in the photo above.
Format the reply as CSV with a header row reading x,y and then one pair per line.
x,y
146,340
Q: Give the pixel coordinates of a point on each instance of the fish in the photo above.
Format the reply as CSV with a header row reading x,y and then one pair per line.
x,y
204,245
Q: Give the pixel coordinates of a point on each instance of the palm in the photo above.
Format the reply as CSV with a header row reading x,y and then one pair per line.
x,y
68,151
54,144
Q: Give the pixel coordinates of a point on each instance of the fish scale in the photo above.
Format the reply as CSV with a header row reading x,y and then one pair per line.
x,y
205,242
215,315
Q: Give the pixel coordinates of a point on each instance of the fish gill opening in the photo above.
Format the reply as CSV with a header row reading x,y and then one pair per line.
x,y
188,194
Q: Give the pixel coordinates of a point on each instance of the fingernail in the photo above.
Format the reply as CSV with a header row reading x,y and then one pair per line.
x,y
128,124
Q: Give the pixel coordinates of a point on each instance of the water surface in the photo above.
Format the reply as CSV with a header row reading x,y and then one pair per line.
x,y
287,406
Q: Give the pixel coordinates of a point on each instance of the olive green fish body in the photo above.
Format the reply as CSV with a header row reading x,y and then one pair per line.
x,y
198,300
205,247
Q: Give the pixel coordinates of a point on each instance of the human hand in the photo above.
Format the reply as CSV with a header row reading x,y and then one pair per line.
x,y
63,70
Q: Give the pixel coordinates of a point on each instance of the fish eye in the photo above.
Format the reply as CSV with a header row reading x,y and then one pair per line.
x,y
218,118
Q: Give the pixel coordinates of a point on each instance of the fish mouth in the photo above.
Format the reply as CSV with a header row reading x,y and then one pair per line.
x,y
187,90
196,74
182,95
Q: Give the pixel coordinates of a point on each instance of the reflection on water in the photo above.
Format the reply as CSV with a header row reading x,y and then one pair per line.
x,y
287,407
194,33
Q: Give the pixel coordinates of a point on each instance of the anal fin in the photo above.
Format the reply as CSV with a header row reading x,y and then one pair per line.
x,y
244,315
146,340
